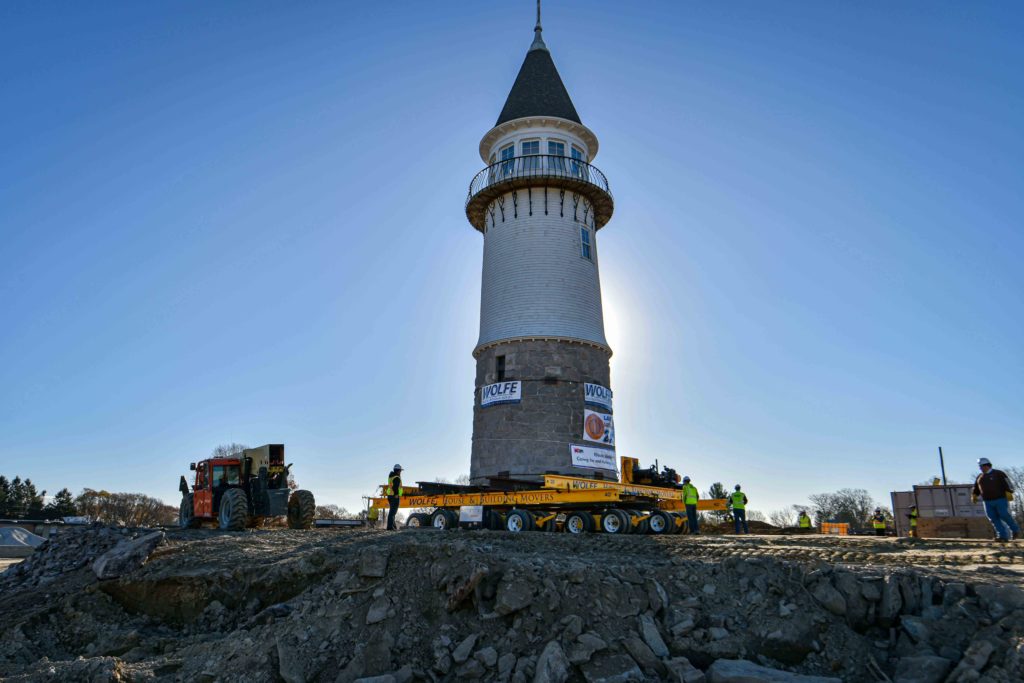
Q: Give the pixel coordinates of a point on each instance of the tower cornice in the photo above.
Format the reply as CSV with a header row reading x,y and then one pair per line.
x,y
501,130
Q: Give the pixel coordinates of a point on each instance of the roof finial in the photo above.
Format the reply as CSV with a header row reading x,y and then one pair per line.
x,y
538,41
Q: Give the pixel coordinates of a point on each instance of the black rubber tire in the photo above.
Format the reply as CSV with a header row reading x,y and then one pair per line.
x,y
679,521
186,513
233,514
417,520
643,527
627,520
518,521
301,510
579,522
661,523
444,520
493,521
615,522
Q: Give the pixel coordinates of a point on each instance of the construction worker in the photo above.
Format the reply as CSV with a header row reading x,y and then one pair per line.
x,y
995,490
738,504
394,493
912,515
804,521
690,498
878,521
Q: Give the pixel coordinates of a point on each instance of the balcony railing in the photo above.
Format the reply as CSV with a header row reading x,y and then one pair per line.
x,y
558,171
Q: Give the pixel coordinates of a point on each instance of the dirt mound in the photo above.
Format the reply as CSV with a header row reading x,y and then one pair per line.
x,y
492,606
15,535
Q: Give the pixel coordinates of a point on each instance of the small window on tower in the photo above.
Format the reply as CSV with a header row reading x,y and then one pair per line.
x,y
556,148
499,368
585,248
507,156
578,169
531,147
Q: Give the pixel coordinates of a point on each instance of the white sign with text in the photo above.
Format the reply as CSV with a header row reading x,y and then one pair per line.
x,y
596,395
502,392
592,458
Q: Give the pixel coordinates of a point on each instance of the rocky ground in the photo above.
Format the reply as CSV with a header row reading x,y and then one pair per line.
x,y
345,605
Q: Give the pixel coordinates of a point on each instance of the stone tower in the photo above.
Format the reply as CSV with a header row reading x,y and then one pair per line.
x,y
543,391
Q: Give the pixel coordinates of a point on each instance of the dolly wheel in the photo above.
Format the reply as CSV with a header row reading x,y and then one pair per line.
x,y
518,521
615,522
661,522
417,520
579,522
443,519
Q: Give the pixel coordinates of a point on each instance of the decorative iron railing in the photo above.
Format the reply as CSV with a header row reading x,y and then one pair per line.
x,y
537,166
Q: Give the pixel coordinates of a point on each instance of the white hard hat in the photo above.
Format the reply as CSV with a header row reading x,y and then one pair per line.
x,y
397,467
983,461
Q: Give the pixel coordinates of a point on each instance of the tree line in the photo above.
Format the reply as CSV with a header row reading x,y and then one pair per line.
x,y
20,499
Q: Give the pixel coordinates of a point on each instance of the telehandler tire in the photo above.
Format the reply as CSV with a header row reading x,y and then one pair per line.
x,y
186,513
234,510
301,510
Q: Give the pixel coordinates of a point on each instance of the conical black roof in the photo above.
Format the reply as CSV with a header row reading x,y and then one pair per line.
x,y
538,90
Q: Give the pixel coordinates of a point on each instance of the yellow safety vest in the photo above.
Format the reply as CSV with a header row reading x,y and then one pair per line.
x,y
391,487
690,494
913,518
878,523
737,500
805,522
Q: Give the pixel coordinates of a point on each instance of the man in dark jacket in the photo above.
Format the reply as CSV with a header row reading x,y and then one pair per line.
x,y
394,493
994,488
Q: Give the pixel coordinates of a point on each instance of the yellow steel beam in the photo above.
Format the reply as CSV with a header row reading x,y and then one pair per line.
x,y
539,497
667,496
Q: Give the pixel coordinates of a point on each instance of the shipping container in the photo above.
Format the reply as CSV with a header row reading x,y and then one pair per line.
x,y
945,502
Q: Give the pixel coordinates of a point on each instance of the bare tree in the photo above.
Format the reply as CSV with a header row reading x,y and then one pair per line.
x,y
756,516
781,518
124,509
852,506
334,512
227,450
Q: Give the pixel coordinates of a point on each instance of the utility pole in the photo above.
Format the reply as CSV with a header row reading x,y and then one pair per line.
x,y
942,465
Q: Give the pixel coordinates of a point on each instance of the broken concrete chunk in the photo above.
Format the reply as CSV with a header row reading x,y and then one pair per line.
x,y
923,669
373,565
649,632
126,556
742,671
552,666
612,669
830,598
465,648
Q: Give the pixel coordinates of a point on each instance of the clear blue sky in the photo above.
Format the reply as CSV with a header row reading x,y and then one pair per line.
x,y
243,222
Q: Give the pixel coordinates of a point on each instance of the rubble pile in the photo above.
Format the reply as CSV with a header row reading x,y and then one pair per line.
x,y
75,549
490,606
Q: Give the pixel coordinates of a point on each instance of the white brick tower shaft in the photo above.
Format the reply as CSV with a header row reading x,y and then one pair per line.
x,y
542,401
